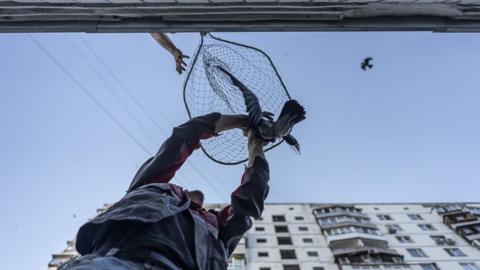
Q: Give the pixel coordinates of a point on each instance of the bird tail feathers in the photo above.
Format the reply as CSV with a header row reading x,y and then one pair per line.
x,y
294,109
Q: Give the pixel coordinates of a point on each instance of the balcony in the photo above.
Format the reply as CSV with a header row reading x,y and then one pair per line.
x,y
343,220
331,211
388,266
470,231
355,235
473,237
362,228
358,243
352,224
458,218
451,209
474,211
367,255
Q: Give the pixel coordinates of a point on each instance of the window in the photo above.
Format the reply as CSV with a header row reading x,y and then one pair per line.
x,y
404,239
318,268
384,217
454,252
278,218
429,266
416,252
392,228
467,231
259,218
284,240
259,229
261,240
426,227
288,254
291,267
415,217
291,208
263,254
299,218
281,229
265,268
469,266
303,228
307,240
439,239
312,254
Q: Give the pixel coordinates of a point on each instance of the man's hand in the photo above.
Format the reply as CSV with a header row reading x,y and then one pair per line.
x,y
166,42
179,62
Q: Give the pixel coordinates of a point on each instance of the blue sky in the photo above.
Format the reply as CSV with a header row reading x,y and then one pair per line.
x,y
405,131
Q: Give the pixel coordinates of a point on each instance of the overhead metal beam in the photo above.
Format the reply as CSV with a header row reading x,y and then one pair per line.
x,y
241,15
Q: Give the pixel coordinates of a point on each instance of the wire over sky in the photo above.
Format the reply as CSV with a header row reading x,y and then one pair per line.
x,y
93,99
148,114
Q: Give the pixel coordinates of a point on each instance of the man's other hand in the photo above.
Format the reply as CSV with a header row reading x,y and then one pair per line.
x,y
180,64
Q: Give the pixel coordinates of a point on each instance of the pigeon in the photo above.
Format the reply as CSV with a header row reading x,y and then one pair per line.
x,y
366,63
262,122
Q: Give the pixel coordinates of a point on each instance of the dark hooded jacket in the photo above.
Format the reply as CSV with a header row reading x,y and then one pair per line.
x,y
156,223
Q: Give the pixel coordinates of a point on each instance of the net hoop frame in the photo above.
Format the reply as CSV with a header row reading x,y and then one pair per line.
x,y
188,76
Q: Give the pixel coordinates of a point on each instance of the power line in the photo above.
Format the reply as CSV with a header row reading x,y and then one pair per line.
x,y
183,182
112,91
122,85
91,97
191,163
136,101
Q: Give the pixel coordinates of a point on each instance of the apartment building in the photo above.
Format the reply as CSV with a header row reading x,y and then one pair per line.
x,y
309,236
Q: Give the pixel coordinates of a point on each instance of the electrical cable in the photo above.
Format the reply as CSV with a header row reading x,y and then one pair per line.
x,y
92,98
137,102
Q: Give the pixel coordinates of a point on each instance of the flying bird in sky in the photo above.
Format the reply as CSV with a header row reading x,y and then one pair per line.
x,y
366,63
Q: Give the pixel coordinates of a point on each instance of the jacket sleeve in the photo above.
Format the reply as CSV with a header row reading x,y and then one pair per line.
x,y
247,201
175,150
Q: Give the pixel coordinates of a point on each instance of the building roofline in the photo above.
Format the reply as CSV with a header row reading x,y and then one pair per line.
x,y
365,203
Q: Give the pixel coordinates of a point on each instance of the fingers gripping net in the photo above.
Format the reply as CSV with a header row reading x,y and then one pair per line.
x,y
207,90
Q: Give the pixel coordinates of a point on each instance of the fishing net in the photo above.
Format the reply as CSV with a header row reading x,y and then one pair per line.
x,y
206,90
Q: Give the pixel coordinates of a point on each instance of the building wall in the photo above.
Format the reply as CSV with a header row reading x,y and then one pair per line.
x,y
302,224
399,214
290,211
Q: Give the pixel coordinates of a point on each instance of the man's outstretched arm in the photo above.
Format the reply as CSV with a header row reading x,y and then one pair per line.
x,y
166,42
179,146
248,199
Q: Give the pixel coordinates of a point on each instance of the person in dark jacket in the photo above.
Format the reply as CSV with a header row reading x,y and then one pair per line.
x,y
159,225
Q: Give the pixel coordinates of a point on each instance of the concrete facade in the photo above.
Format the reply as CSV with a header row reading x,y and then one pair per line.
x,y
238,15
311,236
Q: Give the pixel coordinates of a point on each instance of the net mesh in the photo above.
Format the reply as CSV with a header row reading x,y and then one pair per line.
x,y
206,90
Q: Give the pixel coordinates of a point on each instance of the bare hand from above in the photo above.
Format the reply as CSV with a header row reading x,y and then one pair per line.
x,y
180,64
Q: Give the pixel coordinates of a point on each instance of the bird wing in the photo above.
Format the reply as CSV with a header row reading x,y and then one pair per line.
x,y
368,59
291,114
251,101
